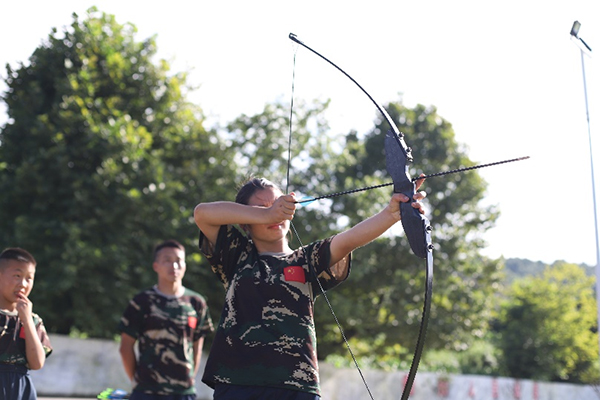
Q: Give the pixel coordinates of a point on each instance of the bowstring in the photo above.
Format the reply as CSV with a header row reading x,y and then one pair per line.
x,y
289,160
312,270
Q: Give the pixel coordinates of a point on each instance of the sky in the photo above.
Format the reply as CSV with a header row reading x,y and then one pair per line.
x,y
506,74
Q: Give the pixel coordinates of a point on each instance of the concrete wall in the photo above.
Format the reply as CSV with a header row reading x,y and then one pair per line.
x,y
346,384
83,368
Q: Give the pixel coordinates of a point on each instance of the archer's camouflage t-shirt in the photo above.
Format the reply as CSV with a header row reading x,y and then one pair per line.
x,y
266,335
166,328
12,338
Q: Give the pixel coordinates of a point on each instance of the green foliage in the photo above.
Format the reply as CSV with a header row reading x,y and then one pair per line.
x,y
102,158
441,361
516,268
547,328
480,358
262,141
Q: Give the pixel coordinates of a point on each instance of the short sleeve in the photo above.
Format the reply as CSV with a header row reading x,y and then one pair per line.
x,y
43,335
232,247
205,325
319,256
131,321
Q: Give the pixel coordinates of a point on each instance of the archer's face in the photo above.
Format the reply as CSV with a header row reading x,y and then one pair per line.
x,y
267,232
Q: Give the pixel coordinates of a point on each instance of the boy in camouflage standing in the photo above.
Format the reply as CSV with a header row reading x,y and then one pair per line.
x,y
169,323
24,343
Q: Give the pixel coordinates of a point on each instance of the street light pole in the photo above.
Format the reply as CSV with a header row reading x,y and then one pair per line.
x,y
575,34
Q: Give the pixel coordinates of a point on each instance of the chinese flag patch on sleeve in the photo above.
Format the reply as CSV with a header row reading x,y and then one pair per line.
x,y
192,322
294,274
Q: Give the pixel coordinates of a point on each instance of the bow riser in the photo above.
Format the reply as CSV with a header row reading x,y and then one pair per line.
x,y
416,225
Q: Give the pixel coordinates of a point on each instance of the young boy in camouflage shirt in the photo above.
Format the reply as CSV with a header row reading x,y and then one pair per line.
x,y
24,344
169,322
265,346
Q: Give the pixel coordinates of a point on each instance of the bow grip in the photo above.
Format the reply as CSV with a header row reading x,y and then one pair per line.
x,y
416,226
417,229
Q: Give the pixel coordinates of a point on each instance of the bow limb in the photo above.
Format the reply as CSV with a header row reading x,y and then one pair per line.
x,y
416,226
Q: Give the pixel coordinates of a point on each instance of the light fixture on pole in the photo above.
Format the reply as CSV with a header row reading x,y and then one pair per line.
x,y
575,34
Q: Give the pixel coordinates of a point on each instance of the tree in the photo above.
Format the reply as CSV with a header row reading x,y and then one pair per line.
x,y
547,326
102,157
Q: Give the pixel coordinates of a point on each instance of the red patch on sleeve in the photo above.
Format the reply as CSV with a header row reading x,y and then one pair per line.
x,y
294,274
192,322
22,332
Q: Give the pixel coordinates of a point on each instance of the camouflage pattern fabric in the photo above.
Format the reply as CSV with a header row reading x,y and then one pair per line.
x,y
12,338
166,328
266,335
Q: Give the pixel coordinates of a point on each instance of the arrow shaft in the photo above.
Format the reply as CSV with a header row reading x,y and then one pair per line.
x,y
453,171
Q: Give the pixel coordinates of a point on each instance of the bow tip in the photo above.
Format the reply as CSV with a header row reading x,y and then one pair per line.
x,y
293,37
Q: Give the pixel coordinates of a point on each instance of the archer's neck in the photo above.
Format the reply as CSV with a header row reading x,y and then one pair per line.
x,y
280,246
